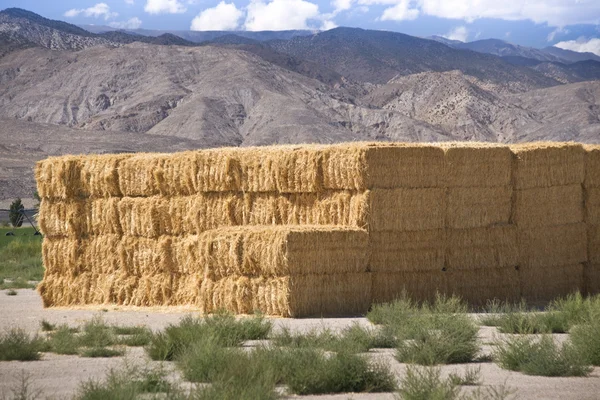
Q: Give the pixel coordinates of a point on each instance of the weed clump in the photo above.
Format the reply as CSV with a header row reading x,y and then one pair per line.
x,y
16,344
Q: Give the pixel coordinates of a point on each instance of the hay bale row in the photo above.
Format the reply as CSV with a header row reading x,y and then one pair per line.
x,y
543,284
288,296
254,251
548,206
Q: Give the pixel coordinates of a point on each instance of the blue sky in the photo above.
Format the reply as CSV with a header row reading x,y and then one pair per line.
x,y
573,24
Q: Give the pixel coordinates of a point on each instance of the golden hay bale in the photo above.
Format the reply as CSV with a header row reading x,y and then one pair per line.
x,y
492,247
544,284
478,286
100,175
101,254
547,164
395,251
60,256
382,165
591,278
478,207
146,257
592,166
290,296
552,245
555,205
59,177
186,289
103,216
592,206
594,243
63,218
406,209
147,217
469,164
283,250
419,286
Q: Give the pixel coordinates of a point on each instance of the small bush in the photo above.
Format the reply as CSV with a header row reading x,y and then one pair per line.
x,y
23,388
312,372
16,344
47,326
11,292
541,357
136,338
204,360
101,352
472,377
586,339
96,333
422,383
63,341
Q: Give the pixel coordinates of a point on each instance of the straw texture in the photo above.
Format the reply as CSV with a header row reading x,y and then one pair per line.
x,y
479,285
555,205
553,245
396,251
419,286
406,209
592,206
545,284
481,248
592,166
478,207
477,164
591,278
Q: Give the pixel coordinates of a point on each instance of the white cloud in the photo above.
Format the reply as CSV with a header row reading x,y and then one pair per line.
x,y
327,25
400,12
222,17
581,45
555,13
341,5
277,15
557,32
131,23
130,2
164,6
459,33
99,10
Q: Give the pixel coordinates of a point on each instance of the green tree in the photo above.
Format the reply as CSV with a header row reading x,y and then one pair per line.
x,y
15,216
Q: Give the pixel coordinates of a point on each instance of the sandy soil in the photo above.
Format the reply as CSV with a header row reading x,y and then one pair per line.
x,y
58,376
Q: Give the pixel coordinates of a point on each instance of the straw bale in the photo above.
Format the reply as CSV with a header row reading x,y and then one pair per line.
x,y
544,284
382,165
60,256
153,290
186,289
592,166
555,205
592,206
395,251
594,243
100,254
591,278
63,218
186,255
478,207
100,175
547,164
59,177
471,164
283,250
289,296
103,216
477,286
146,257
406,209
147,217
552,245
419,286
492,247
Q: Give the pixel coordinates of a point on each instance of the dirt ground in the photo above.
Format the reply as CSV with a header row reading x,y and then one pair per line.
x,y
58,376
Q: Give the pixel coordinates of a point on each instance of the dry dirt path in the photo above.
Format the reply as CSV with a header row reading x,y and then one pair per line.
x,y
58,376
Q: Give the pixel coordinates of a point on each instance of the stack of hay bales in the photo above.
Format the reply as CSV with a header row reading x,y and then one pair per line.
x,y
592,217
481,243
548,212
317,230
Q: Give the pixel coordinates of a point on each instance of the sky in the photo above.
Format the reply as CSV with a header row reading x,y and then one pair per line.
x,y
570,24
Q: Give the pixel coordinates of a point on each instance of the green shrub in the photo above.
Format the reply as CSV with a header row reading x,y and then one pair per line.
x,y
16,344
96,333
422,383
47,326
586,339
101,352
206,359
63,341
543,357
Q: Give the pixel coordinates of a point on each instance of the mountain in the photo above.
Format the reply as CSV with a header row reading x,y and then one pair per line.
x,y
501,48
446,41
164,39
570,56
31,28
565,73
378,56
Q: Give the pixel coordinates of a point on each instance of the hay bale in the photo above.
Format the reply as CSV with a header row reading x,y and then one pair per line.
x,y
270,251
592,166
493,247
547,164
101,254
63,218
60,256
557,205
146,217
100,175
552,245
396,251
289,296
186,289
478,286
406,209
59,177
542,284
594,243
382,165
591,278
592,206
478,207
146,257
419,286
469,164
103,216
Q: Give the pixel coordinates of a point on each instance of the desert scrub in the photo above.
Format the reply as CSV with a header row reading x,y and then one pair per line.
x,y
223,328
586,338
540,356
355,339
426,383
16,344
63,341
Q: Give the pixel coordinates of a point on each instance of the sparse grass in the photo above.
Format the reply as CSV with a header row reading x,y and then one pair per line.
x,y
23,388
222,327
63,341
47,326
96,333
128,383
11,292
472,377
586,338
16,344
542,357
206,359
426,383
96,352
21,257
